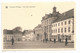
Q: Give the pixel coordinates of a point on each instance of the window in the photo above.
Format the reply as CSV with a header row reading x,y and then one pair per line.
x,y
68,29
61,30
58,24
65,29
55,30
55,25
65,22
61,23
69,22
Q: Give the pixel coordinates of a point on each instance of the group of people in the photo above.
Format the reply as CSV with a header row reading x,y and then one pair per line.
x,y
66,41
45,40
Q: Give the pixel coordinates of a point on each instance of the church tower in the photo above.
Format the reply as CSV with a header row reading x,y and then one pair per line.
x,y
54,9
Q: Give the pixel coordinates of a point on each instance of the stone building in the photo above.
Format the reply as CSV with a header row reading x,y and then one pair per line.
x,y
23,38
63,27
24,33
28,35
9,34
38,32
47,23
17,35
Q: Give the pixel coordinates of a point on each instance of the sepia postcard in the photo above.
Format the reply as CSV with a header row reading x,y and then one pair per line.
x,y
38,26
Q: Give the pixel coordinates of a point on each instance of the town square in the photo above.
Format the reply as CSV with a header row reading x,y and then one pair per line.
x,y
36,45
55,30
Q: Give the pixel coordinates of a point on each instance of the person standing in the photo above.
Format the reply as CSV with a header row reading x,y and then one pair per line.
x,y
46,40
45,37
66,42
12,40
60,40
54,40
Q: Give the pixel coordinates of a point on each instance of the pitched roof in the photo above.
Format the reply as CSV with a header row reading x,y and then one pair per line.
x,y
11,32
7,31
39,26
17,32
65,15
50,15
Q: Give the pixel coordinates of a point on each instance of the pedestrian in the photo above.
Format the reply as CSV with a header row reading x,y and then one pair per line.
x,y
60,40
54,40
12,40
66,42
46,40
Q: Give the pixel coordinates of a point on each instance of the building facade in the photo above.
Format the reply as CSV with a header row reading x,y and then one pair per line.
x,y
47,23
9,34
18,35
63,27
23,38
38,32
28,35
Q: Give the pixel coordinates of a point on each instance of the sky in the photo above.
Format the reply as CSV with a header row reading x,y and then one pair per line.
x,y
28,15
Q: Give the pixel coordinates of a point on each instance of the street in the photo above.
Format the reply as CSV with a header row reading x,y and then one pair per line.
x,y
36,44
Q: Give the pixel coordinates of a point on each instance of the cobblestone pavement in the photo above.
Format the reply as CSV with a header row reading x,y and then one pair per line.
x,y
36,44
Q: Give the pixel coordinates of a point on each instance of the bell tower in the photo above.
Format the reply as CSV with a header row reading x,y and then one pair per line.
x,y
54,9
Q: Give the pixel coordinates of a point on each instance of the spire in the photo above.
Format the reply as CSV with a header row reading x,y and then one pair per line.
x,y
54,9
